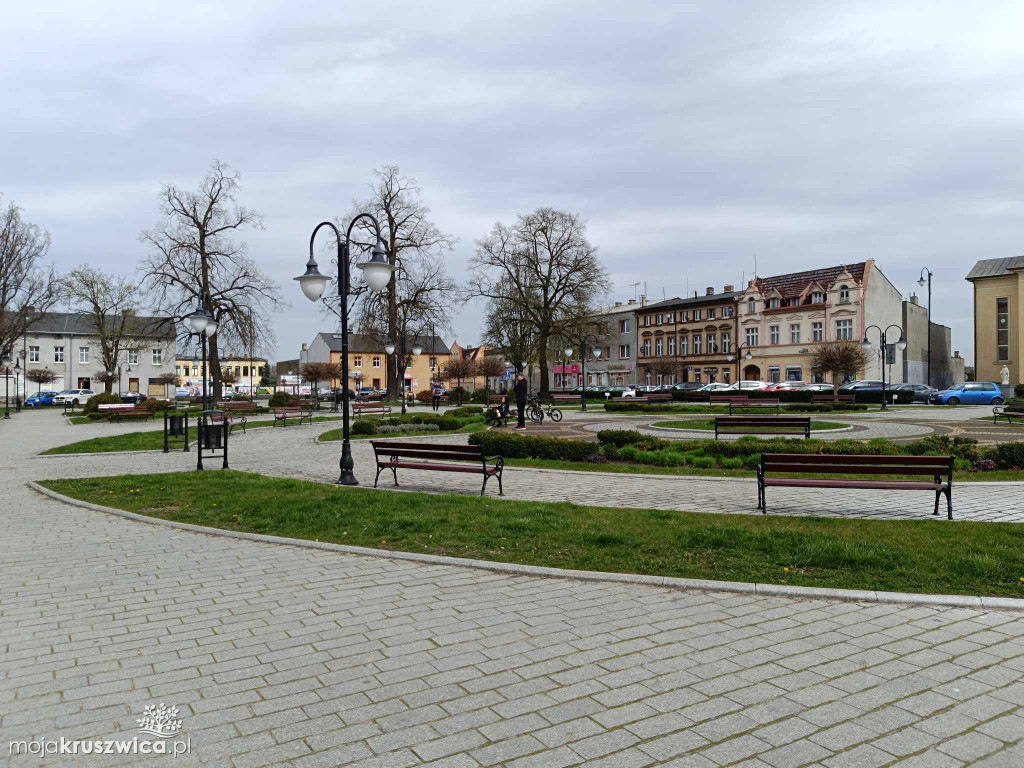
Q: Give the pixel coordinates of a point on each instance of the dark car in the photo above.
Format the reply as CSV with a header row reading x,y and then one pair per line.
x,y
687,386
921,391
134,398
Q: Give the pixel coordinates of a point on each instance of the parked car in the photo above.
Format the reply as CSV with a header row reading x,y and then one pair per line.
x,y
716,386
817,387
131,397
39,398
739,386
364,392
644,388
869,385
921,391
969,393
686,386
785,386
631,392
73,396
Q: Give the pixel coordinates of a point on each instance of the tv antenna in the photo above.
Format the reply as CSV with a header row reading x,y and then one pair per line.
x,y
635,286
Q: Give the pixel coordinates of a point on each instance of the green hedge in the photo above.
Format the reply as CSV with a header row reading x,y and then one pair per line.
x,y
466,410
624,407
1018,390
512,446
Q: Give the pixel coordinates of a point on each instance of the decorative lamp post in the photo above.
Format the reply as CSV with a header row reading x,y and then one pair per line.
x,y
203,325
883,341
739,373
377,272
7,386
922,281
416,350
17,391
585,340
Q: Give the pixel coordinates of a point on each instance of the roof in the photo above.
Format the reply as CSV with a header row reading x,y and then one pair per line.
x,y
678,302
995,267
81,324
794,283
364,342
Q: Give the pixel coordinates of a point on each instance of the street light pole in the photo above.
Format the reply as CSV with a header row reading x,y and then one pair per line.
x,y
378,273
921,282
739,374
585,339
17,391
883,340
7,387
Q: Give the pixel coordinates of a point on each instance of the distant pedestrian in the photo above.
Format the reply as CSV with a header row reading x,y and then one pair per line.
x,y
438,390
521,389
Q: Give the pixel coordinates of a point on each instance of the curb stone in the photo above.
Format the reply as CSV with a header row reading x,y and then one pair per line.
x,y
701,585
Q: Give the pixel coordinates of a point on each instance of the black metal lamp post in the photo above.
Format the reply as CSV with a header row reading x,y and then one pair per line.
x,y
7,387
883,340
377,272
203,324
17,390
406,360
921,281
739,372
584,340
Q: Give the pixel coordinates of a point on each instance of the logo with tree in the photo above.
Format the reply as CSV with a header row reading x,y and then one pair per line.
x,y
161,721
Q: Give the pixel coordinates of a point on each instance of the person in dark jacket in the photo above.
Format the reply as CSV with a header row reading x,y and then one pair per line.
x,y
437,390
521,389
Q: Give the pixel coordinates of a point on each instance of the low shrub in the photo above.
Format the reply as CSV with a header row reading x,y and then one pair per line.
x,y
94,403
154,404
1007,455
823,407
1018,390
387,429
364,427
513,446
619,437
466,410
734,462
425,395
280,400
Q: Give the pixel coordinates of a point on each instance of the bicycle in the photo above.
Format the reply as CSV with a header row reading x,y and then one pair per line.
x,y
537,412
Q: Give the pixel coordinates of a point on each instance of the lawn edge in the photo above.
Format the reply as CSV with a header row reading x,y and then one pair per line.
x,y
513,569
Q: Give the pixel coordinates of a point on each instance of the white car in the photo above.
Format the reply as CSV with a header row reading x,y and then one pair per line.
x,y
713,387
630,392
73,396
738,386
645,388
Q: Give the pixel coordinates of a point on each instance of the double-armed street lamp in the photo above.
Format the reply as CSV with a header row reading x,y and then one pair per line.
x,y
417,348
883,341
203,325
739,372
377,273
922,281
585,340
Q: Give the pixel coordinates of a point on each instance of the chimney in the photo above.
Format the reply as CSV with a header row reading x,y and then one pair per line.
x,y
618,303
695,294
729,288
304,347
956,353
643,300
631,302
709,291
913,298
750,283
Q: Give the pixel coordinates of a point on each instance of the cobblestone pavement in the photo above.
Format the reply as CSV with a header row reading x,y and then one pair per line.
x,y
283,656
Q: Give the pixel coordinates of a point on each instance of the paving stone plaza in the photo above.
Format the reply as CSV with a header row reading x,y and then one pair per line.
x,y
279,655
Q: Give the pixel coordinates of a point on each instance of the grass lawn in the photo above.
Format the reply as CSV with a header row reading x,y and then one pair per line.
x,y
153,440
625,467
899,555
709,424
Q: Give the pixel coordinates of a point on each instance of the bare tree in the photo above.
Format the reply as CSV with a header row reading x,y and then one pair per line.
x,y
40,376
106,378
663,367
839,359
195,261
490,367
506,330
316,372
457,369
27,288
420,292
545,267
111,302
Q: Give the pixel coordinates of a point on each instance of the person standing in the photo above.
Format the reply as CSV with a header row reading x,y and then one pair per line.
x,y
521,389
437,395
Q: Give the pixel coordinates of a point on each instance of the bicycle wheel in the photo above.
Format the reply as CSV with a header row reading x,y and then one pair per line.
x,y
536,415
555,414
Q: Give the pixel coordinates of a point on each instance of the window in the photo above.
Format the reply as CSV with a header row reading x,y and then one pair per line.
x,y
817,331
728,311
683,343
751,337
684,316
357,361
624,352
647,320
726,343
658,347
659,379
773,375
376,361
133,357
844,294
1002,330
794,373
158,357
751,304
245,370
696,344
817,297
177,370
657,320
433,362
672,345
83,354
773,302
670,317
844,330
774,333
647,378
623,326
711,313
712,346
696,377
58,354
727,376
696,314
33,354
794,333
647,348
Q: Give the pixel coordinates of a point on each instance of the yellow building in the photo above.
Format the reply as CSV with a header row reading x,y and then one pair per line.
x,y
998,326
368,362
190,373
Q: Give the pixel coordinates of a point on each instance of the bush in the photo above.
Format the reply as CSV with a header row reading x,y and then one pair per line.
x,y
279,400
823,407
154,404
464,411
1018,390
364,427
94,403
733,463
1007,455
425,395
512,446
619,437
385,429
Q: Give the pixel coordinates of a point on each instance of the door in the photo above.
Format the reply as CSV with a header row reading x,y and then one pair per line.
x,y
133,385
973,394
83,382
752,373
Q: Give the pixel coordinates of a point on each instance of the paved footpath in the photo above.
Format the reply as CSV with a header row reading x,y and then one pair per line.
x,y
277,655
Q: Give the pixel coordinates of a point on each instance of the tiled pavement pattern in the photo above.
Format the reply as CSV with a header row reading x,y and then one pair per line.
x,y
284,656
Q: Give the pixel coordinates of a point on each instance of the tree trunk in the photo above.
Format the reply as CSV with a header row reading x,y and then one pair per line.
x,y
213,366
543,364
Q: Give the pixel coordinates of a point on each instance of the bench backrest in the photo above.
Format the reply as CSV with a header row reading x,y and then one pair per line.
x,y
659,396
729,398
782,421
768,402
115,406
380,407
428,451
291,409
822,464
824,397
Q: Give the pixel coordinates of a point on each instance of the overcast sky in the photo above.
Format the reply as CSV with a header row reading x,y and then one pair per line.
x,y
691,136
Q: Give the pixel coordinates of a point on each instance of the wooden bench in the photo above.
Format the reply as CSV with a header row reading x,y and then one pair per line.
x,y
299,412
114,406
564,397
822,469
659,397
227,417
739,402
841,397
752,425
378,408
118,413
1010,411
437,457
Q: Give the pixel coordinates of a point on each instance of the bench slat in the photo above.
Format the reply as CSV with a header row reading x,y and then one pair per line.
x,y
801,482
855,469
831,458
437,467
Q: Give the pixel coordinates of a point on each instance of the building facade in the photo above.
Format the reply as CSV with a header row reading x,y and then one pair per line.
x,y
474,355
248,370
998,325
946,366
67,344
368,360
783,318
687,340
